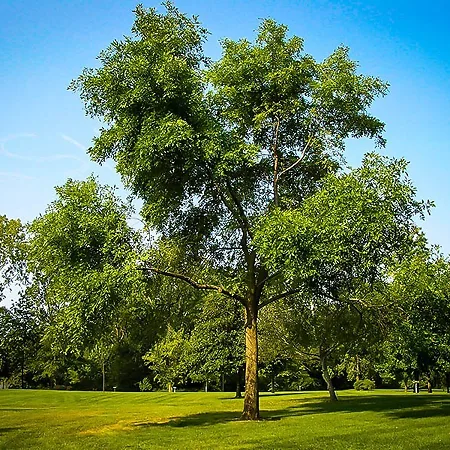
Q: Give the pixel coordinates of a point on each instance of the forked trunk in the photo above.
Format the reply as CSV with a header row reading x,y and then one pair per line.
x,y
251,397
328,380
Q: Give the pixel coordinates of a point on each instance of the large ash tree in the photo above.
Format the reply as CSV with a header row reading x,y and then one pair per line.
x,y
211,147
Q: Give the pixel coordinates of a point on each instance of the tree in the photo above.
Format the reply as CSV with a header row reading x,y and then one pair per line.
x,y
12,258
339,246
81,253
19,341
168,358
216,342
420,286
210,148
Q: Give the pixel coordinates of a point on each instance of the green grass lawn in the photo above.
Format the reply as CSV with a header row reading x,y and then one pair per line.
x,y
96,420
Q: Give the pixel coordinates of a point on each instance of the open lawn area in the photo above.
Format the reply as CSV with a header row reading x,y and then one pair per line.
x,y
307,420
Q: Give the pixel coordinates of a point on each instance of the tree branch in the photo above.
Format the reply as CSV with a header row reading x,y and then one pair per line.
x,y
269,277
278,297
276,162
195,284
299,160
239,207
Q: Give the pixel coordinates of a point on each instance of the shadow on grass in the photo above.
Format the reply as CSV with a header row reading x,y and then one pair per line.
x,y
393,406
200,419
400,406
277,394
6,430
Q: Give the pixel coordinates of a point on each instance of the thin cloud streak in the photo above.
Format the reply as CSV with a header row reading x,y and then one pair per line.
x,y
74,142
12,137
84,148
15,175
38,159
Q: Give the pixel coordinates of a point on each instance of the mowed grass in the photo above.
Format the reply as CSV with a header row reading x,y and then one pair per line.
x,y
96,420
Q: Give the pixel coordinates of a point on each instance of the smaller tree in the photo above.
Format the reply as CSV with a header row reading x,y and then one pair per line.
x,y
338,248
81,253
168,358
12,253
217,342
421,335
19,342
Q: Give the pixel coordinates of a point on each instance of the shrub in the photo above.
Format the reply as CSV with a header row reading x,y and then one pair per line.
x,y
364,385
145,385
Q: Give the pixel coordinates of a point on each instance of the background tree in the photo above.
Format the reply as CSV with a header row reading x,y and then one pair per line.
x,y
12,253
81,252
210,148
216,347
19,342
339,246
421,334
168,358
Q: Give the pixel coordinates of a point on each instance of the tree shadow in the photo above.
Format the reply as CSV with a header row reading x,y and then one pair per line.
x,y
393,406
200,419
278,394
400,407
6,430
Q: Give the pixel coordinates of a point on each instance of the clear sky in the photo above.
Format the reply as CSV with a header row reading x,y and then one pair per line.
x,y
45,44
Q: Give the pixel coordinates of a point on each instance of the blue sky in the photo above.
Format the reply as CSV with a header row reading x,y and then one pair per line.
x,y
45,44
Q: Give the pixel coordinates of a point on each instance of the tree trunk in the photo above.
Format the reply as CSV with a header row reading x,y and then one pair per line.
x,y
223,382
170,387
238,383
447,382
103,375
327,378
22,371
251,397
358,369
430,389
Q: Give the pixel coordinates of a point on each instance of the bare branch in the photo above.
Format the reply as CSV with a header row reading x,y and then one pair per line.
x,y
299,160
195,284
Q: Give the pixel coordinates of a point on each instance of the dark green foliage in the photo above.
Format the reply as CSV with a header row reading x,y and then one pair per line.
x,y
364,385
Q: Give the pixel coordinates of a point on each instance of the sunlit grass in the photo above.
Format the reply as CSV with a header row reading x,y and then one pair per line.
x,y
95,420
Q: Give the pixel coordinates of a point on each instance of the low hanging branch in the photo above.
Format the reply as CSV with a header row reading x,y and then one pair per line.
x,y
195,284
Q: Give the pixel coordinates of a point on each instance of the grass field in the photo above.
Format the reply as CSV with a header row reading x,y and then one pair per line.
x,y
95,420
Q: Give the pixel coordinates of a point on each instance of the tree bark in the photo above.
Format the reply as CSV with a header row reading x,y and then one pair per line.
x,y
251,397
327,378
